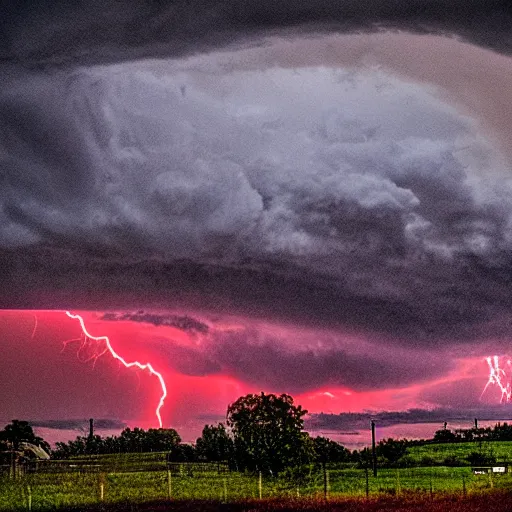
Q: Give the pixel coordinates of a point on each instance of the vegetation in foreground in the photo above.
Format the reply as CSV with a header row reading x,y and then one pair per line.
x,y
496,502
84,486
261,452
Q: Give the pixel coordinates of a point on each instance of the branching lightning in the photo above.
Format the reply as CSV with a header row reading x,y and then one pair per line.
x,y
136,364
498,376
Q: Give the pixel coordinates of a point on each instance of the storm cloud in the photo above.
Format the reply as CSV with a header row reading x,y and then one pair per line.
x,y
57,32
184,323
265,361
257,193
263,161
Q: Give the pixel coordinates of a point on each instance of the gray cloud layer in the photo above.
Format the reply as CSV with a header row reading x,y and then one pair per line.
x,y
59,32
324,196
353,421
184,323
74,424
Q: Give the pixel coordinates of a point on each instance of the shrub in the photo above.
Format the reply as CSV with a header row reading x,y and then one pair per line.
x,y
452,460
481,459
426,460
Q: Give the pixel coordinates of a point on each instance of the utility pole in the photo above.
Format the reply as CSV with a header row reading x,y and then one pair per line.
x,y
476,423
91,429
374,453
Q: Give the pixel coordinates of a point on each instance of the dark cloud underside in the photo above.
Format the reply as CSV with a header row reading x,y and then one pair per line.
x,y
95,31
471,302
184,323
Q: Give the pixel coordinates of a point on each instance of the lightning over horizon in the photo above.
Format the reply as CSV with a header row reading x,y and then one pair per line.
x,y
137,364
498,377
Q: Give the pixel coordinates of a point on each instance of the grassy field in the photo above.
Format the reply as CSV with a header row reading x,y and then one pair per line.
x,y
142,478
502,450
47,491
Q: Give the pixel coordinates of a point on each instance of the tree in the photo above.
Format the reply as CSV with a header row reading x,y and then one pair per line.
x,y
153,440
392,449
214,444
182,453
161,439
130,441
267,433
18,431
327,450
444,436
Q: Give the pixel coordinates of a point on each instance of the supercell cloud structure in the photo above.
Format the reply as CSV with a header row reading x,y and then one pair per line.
x,y
331,196
163,155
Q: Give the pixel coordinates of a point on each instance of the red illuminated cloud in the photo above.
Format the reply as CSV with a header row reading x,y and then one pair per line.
x,y
47,377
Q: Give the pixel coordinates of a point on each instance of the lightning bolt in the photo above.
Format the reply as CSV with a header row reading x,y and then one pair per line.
x,y
498,377
135,364
35,327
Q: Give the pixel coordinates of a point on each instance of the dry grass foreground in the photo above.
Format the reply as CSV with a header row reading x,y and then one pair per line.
x,y
497,501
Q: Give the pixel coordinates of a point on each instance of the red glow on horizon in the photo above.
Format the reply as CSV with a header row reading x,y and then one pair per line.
x,y
137,364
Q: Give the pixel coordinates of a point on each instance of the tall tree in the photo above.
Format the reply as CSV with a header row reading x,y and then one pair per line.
x,y
267,432
327,450
215,444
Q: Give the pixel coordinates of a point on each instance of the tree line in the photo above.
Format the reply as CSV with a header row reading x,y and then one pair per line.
x,y
263,432
500,432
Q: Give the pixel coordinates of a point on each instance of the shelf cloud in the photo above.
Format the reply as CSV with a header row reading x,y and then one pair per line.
x,y
139,186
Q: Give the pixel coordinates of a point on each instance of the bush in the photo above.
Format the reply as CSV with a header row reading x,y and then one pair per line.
x,y
481,459
427,461
407,461
392,449
452,460
298,475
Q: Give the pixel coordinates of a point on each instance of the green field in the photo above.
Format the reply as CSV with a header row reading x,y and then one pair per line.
x,y
502,450
139,478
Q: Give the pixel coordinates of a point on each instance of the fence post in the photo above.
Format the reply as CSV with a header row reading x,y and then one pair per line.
x,y
367,483
29,498
169,484
260,486
102,486
374,452
326,482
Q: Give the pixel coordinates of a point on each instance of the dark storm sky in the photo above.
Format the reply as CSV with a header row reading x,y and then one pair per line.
x,y
333,175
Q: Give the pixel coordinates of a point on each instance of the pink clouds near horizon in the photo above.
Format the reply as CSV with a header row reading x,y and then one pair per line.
x,y
45,376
